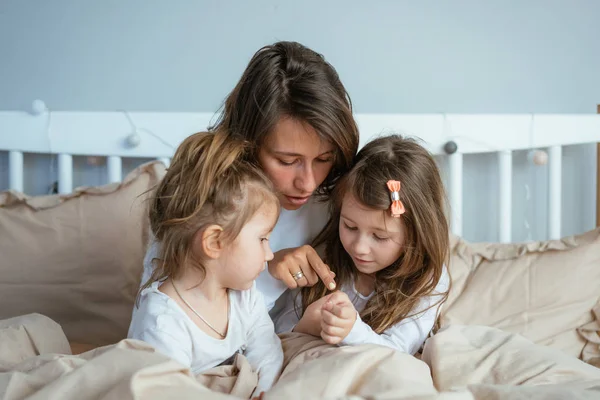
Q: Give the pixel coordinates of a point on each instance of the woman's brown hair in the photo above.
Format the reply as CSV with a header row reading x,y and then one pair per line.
x,y
399,287
289,80
208,182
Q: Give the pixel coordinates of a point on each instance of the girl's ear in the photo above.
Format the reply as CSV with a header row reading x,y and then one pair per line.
x,y
210,240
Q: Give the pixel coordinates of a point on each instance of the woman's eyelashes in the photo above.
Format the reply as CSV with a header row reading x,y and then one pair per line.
x,y
325,160
288,163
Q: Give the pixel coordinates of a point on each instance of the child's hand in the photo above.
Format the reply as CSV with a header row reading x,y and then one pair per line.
x,y
337,317
310,323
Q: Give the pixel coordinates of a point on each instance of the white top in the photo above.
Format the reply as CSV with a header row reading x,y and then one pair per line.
x,y
162,323
294,228
407,335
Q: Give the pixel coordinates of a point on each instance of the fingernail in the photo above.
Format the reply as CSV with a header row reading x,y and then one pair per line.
x,y
331,285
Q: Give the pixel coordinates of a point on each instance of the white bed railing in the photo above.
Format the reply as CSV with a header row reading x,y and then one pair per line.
x,y
155,135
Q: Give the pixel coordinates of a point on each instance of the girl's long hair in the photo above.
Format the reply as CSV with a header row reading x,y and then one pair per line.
x,y
400,287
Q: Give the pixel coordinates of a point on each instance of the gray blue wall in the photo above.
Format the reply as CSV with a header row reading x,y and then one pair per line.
x,y
462,56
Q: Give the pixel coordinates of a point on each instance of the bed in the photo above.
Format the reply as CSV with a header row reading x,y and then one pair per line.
x,y
522,318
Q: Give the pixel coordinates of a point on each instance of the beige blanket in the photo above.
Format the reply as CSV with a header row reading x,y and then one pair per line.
x,y
460,362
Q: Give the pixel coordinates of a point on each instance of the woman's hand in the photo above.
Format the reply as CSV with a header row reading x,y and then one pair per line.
x,y
310,323
338,316
299,267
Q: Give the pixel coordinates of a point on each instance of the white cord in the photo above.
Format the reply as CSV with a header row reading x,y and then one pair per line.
x,y
527,188
50,152
489,147
135,129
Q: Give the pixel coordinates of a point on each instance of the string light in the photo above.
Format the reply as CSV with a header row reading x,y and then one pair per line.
x,y
38,107
94,161
535,157
134,138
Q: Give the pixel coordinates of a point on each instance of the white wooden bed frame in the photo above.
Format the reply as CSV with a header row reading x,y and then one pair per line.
x,y
156,135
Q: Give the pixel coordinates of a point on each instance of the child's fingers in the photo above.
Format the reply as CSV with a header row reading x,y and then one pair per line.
x,y
322,302
335,326
333,330
341,311
339,297
330,339
347,312
329,318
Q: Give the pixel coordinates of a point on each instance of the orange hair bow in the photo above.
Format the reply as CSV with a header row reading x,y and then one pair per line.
x,y
397,208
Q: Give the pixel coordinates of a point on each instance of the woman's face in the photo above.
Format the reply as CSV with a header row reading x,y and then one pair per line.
x,y
296,160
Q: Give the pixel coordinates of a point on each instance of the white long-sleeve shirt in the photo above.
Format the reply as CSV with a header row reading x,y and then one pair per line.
x,y
407,335
162,323
294,228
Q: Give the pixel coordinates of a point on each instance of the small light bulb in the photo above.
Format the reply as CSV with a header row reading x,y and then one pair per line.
x,y
134,139
94,160
38,107
538,157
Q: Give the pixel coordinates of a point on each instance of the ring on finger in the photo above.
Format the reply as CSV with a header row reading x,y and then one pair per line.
x,y
298,275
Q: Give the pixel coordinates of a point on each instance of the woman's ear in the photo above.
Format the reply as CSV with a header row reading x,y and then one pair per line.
x,y
210,240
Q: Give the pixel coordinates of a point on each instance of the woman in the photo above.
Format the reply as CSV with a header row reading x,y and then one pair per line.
x,y
291,104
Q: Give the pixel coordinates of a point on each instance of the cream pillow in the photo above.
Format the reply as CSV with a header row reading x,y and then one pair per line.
x,y
544,291
77,258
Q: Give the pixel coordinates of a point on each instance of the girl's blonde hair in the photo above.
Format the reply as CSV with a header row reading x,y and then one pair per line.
x,y
208,182
400,287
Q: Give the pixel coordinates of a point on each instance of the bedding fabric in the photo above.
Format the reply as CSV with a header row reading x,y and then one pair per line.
x,y
459,363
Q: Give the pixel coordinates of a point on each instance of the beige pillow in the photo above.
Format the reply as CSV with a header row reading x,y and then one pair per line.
x,y
77,258
544,291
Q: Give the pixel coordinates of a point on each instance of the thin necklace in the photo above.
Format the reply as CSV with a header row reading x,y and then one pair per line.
x,y
200,316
